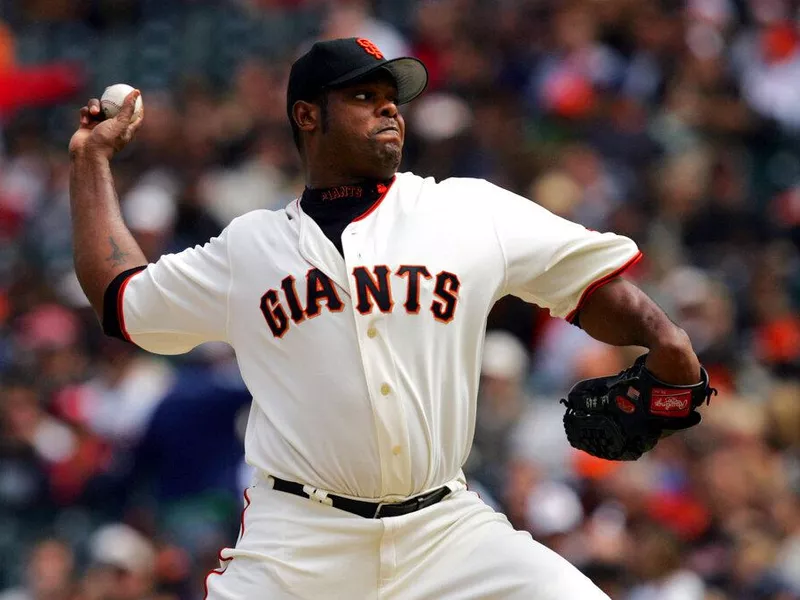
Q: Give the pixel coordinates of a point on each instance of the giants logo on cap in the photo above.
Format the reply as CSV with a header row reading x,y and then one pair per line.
x,y
667,402
370,48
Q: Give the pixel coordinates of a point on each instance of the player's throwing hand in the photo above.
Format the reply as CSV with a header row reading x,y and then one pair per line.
x,y
106,136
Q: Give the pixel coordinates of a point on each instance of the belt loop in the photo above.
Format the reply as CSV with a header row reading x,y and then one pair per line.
x,y
318,495
455,486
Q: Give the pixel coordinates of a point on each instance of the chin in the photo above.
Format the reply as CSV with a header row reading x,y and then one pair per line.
x,y
391,157
381,161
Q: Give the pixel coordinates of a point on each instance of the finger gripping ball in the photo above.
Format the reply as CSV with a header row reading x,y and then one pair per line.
x,y
114,96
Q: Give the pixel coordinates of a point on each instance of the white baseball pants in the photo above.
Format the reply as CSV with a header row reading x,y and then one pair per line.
x,y
459,549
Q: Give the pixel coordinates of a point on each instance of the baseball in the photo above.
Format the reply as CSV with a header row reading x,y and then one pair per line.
x,y
114,96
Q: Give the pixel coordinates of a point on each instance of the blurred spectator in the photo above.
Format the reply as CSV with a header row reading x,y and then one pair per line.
x,y
122,565
117,403
554,511
49,574
353,18
655,557
190,454
43,446
787,513
50,334
501,401
704,309
769,63
567,81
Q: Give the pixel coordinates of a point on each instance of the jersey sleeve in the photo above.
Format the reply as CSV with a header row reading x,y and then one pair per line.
x,y
551,261
174,304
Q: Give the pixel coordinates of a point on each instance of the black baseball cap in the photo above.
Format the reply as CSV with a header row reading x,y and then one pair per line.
x,y
337,63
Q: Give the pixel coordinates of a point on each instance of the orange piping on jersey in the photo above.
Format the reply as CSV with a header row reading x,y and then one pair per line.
x,y
220,570
120,313
377,202
600,283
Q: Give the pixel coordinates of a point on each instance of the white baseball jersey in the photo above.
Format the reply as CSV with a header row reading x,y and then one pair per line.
x,y
364,367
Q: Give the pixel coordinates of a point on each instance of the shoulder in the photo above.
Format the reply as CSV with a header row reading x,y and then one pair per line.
x,y
257,221
463,192
410,180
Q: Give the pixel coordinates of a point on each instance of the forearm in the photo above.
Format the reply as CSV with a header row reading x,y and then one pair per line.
x,y
621,314
103,245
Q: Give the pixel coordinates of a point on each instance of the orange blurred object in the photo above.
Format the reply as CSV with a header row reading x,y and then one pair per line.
x,y
682,514
779,341
6,48
591,467
779,42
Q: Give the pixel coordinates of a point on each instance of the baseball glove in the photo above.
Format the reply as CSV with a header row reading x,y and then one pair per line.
x,y
622,416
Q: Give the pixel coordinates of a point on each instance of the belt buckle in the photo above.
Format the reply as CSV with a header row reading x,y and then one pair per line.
x,y
415,502
378,508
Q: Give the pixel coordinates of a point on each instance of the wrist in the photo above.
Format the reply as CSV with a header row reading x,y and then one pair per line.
x,y
674,340
673,360
87,153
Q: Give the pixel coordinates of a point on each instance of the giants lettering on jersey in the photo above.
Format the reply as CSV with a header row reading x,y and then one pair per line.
x,y
374,292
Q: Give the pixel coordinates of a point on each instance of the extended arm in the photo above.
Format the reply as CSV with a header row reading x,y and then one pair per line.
x,y
620,314
103,245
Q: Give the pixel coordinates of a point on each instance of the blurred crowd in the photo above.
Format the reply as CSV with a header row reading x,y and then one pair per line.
x,y
675,122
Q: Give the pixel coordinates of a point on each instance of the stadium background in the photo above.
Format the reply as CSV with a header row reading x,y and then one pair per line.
x,y
675,123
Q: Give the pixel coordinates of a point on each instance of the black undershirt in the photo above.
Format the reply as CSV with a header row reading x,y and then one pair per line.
x,y
335,208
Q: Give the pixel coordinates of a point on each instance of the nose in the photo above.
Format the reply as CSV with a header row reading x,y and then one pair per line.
x,y
388,109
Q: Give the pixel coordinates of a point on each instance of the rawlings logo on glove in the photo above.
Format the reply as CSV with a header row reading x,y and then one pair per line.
x,y
669,403
622,416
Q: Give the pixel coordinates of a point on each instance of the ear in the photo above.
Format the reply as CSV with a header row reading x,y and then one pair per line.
x,y
306,115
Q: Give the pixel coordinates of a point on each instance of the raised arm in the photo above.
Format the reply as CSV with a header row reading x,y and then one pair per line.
x,y
103,245
621,314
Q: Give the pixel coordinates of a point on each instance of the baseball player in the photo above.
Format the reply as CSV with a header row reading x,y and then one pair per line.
x,y
357,314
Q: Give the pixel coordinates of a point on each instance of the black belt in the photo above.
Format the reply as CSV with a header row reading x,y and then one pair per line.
x,y
368,510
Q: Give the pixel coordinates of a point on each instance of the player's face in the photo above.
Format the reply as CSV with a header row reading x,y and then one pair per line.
x,y
365,131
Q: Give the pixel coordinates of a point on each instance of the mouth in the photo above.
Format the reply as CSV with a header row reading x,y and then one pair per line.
x,y
388,129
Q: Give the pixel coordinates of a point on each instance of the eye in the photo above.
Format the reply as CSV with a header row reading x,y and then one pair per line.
x,y
364,95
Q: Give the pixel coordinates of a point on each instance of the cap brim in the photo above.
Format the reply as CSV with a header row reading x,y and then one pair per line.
x,y
409,74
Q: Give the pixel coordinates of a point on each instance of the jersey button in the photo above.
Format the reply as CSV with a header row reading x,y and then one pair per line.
x,y
397,450
385,389
372,333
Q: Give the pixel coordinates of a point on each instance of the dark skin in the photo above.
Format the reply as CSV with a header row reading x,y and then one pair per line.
x,y
103,247
361,139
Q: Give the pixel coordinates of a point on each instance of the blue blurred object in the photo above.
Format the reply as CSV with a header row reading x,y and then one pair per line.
x,y
191,444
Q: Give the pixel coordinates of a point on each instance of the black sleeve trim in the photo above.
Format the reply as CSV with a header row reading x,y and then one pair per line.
x,y
112,305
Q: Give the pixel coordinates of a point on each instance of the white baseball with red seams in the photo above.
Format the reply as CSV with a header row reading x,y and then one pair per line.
x,y
113,98
364,370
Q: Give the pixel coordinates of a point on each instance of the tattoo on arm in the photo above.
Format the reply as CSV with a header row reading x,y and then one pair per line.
x,y
117,257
